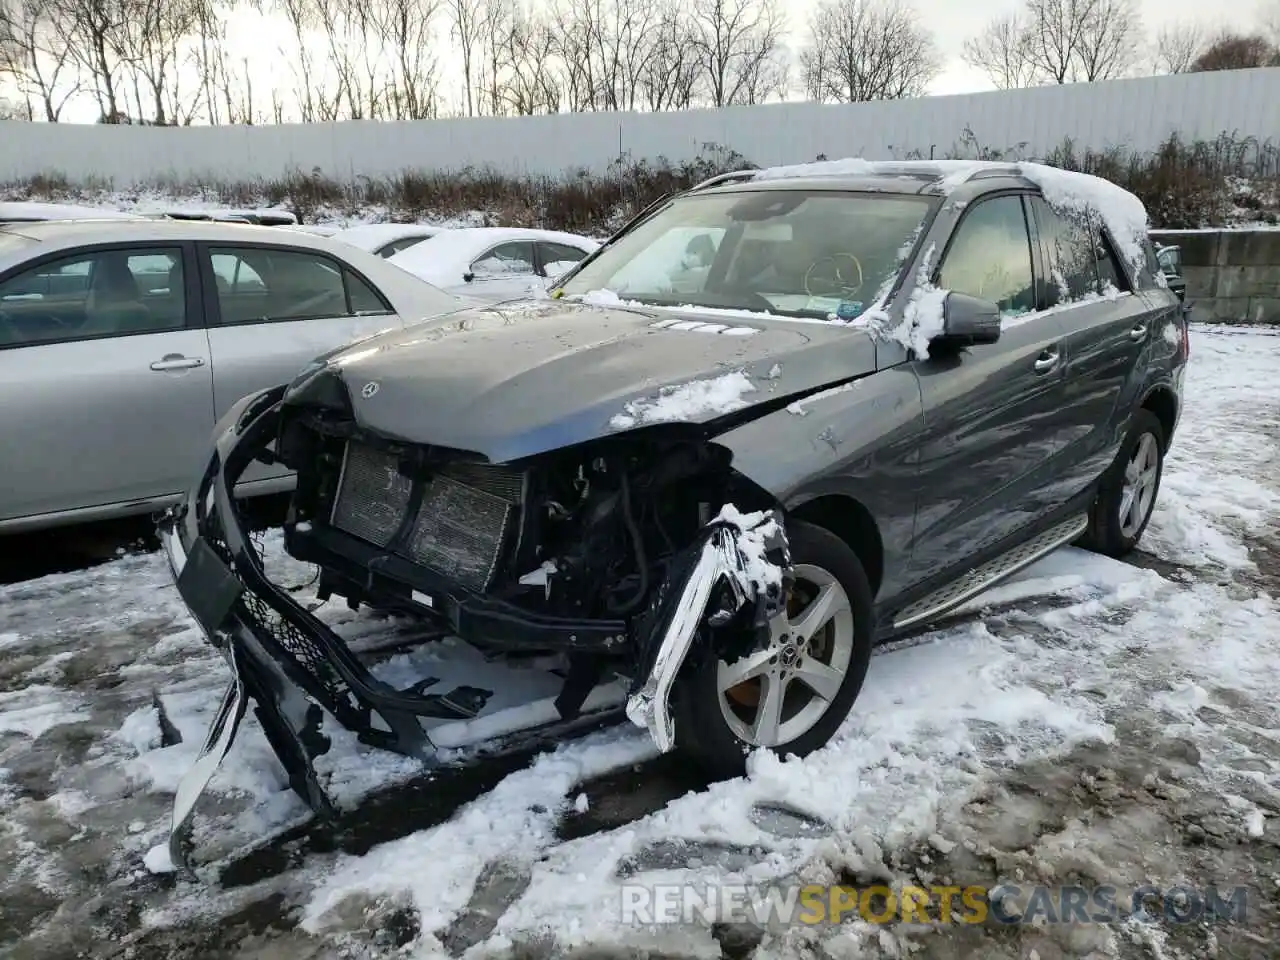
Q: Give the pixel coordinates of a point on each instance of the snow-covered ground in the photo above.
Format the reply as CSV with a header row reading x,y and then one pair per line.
x,y
1094,722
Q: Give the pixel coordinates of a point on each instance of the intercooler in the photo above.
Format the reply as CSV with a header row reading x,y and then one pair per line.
x,y
461,526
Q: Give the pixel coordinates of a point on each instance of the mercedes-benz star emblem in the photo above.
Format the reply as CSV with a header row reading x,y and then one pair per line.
x,y
370,389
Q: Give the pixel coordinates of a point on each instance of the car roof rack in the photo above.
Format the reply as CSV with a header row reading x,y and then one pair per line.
x,y
720,178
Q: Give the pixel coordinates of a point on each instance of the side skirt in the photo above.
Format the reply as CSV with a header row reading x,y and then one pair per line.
x,y
964,588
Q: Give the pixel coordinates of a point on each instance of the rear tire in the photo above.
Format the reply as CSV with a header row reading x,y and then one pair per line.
x,y
722,711
1129,489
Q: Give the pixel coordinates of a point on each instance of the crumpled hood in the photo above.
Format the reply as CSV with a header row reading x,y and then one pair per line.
x,y
514,380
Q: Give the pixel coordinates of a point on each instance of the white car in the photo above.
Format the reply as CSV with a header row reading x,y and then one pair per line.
x,y
387,239
35,211
494,263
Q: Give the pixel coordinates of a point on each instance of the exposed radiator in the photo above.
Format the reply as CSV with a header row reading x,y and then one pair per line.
x,y
461,526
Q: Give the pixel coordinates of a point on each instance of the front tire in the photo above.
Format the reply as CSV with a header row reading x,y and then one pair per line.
x,y
791,693
1128,492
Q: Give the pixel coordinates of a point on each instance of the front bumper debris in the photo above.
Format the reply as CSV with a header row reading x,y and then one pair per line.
x,y
746,558
295,670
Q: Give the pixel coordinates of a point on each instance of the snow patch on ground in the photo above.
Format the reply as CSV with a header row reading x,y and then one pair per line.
x,y
690,401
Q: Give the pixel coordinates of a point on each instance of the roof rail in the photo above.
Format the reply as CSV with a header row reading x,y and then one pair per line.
x,y
724,178
1010,170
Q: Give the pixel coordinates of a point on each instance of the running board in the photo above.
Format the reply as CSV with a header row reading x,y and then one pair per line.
x,y
982,578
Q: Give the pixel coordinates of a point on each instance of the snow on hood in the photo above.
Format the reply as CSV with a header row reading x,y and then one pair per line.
x,y
689,401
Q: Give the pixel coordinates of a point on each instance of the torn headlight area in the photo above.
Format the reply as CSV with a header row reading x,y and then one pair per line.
x,y
608,561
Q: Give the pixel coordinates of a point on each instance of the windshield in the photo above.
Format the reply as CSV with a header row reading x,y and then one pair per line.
x,y
795,253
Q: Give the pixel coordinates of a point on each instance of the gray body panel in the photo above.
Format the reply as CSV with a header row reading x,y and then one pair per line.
x,y
510,383
857,441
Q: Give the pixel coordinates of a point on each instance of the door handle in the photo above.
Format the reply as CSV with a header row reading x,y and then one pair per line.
x,y
176,361
1047,361
1138,332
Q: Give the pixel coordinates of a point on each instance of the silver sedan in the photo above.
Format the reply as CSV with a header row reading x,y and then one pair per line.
x,y
123,342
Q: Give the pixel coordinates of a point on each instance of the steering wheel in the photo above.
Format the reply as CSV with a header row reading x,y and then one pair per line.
x,y
836,279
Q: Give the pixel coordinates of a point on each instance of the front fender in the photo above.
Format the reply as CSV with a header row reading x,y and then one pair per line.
x,y
858,440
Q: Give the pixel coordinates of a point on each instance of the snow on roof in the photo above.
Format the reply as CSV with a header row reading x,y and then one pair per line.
x,y
1082,193
444,258
954,171
27,210
1067,191
372,236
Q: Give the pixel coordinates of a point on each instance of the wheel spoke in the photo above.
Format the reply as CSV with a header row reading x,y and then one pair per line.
x,y
746,668
1135,510
1126,503
821,679
830,600
764,731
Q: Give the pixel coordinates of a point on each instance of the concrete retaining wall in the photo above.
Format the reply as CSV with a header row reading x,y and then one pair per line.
x,y
1233,276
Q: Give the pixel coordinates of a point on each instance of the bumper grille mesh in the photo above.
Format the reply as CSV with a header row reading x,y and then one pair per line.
x,y
461,527
372,495
459,532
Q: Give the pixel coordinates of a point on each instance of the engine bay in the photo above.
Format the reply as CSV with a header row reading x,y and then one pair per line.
x,y
578,535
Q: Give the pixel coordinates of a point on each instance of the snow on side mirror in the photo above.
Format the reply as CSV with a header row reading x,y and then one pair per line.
x,y
967,321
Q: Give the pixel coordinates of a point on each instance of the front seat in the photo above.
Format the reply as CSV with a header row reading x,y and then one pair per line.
x,y
115,302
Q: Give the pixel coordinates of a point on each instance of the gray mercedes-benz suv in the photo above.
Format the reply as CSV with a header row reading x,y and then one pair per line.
x,y
773,421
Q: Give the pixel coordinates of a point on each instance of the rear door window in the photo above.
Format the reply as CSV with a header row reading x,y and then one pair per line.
x,y
1070,257
506,259
265,285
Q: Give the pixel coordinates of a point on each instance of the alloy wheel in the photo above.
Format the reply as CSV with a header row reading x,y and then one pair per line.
x,y
780,691
1139,491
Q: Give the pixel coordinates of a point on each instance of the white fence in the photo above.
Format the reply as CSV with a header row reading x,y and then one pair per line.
x,y
1138,113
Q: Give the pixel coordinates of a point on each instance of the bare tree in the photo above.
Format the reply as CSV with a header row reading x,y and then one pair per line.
x,y
531,84
466,28
1060,41
737,49
1177,46
92,31
38,64
405,31
669,78
154,42
1234,51
860,50
1001,52
1110,40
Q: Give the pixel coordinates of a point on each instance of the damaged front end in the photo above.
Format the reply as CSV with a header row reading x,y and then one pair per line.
x,y
613,569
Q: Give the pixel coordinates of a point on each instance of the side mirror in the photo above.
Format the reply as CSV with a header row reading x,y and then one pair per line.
x,y
1170,260
468,277
967,321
